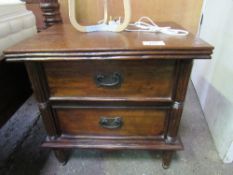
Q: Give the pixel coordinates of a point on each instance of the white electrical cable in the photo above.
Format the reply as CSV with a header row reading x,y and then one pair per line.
x,y
152,27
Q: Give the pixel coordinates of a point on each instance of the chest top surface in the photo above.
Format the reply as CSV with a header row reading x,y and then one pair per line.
x,y
63,41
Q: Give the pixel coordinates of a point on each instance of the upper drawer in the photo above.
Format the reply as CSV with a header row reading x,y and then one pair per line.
x,y
128,80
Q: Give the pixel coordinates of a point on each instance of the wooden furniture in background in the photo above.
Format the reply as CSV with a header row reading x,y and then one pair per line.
x,y
183,12
34,6
107,90
51,12
47,12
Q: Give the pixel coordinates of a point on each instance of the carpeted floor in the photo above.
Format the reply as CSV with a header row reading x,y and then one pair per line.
x,y
25,156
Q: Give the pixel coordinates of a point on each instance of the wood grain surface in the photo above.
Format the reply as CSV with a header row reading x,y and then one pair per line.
x,y
136,122
63,42
139,79
63,65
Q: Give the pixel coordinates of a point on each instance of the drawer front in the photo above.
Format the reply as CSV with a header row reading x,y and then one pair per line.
x,y
111,122
111,79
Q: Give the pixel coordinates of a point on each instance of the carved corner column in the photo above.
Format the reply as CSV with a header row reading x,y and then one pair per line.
x,y
183,72
39,86
36,75
51,12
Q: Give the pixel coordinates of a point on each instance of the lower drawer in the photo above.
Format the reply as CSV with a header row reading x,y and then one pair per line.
x,y
111,122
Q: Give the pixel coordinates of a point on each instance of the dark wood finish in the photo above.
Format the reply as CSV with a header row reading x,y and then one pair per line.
x,y
184,72
36,75
47,12
51,12
140,107
139,79
167,157
61,102
14,89
64,43
136,122
34,6
112,144
61,155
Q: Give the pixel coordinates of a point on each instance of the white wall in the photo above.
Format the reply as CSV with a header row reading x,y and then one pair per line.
x,y
213,79
9,1
11,6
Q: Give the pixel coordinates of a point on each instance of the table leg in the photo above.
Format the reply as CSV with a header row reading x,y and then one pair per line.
x,y
167,157
61,155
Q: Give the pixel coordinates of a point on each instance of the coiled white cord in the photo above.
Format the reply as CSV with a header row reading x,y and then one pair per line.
x,y
152,27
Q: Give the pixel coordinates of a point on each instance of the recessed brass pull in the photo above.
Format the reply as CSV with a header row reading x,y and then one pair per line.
x,y
113,80
111,123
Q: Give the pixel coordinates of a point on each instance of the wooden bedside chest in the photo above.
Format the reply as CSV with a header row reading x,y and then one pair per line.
x,y
108,90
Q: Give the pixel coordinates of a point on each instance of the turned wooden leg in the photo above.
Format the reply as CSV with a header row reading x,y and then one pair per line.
x,y
61,155
167,157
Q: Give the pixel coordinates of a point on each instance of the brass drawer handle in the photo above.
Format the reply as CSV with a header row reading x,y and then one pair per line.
x,y
111,123
109,81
